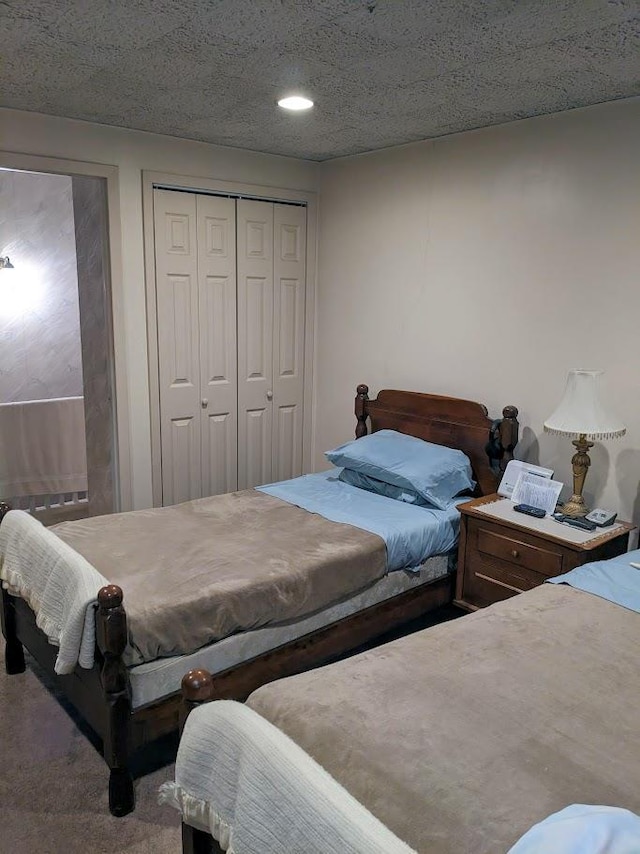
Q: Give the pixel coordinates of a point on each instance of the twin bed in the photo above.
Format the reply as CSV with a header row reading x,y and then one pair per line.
x,y
458,738
248,585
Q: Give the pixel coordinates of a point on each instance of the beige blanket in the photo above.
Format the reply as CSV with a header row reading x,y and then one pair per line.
x,y
197,572
461,737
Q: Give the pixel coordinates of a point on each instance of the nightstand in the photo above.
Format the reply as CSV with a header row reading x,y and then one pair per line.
x,y
502,552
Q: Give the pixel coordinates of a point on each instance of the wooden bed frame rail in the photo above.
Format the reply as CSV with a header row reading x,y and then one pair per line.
x,y
102,694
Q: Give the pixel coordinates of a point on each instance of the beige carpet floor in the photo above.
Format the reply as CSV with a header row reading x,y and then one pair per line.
x,y
53,780
53,783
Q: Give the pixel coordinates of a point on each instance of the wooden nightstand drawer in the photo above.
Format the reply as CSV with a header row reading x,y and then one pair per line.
x,y
486,582
544,561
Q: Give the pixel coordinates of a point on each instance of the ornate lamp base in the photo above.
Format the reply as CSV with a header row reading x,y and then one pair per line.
x,y
575,506
580,463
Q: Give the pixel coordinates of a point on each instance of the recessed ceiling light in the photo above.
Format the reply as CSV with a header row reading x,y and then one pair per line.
x,y
295,102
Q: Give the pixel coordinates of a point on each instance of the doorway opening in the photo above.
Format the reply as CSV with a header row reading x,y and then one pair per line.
x,y
57,403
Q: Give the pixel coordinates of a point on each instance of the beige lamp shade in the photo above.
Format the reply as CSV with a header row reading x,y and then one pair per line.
x,y
581,412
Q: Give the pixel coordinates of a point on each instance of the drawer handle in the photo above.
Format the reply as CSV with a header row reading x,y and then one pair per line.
x,y
515,553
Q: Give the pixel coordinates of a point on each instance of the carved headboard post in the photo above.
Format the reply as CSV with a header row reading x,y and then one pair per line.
x,y
362,396
503,438
508,431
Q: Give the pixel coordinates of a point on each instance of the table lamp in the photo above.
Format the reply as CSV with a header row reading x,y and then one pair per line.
x,y
580,413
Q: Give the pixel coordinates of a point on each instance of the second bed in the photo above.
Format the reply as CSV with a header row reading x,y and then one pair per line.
x,y
458,738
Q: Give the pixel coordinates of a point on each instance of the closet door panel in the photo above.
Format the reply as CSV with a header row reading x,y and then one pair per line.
x,y
255,342
219,441
288,338
179,473
288,434
178,337
218,353
257,461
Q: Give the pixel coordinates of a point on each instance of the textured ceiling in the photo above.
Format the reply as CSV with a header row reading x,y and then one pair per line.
x,y
382,72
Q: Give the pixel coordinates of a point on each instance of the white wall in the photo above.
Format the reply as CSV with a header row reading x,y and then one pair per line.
x,y
486,265
132,152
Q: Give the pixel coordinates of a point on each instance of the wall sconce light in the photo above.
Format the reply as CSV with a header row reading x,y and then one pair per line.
x,y
5,263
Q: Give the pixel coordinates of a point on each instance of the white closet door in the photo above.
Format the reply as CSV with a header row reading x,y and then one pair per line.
x,y
289,275
255,342
178,344
216,218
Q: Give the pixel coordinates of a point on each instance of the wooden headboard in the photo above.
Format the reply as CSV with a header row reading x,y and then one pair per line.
x,y
450,421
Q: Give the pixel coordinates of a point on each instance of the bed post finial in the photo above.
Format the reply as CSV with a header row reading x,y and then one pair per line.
x,y
362,396
110,596
111,639
197,688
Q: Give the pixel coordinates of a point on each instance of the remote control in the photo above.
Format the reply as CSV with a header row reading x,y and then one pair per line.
x,y
575,522
530,511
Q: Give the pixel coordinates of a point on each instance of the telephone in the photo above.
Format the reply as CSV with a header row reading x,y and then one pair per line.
x,y
601,517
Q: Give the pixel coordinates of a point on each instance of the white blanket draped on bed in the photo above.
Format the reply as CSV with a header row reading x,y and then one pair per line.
x,y
253,801
61,587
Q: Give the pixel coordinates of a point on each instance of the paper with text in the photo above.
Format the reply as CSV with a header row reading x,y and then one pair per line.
x,y
537,491
513,470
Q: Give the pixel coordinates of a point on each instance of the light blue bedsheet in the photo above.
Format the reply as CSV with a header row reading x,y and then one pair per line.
x,y
583,829
412,533
612,579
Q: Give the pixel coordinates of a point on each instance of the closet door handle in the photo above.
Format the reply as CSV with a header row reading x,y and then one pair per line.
x,y
204,402
269,395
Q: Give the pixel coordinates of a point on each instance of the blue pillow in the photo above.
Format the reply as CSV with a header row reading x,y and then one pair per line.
x,y
372,484
435,472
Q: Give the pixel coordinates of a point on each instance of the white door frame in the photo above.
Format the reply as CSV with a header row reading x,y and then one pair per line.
x,y
257,191
122,494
